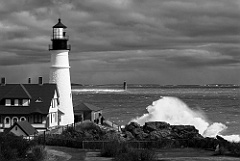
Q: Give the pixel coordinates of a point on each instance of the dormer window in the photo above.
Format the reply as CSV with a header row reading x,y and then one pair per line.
x,y
26,102
17,102
7,102
39,99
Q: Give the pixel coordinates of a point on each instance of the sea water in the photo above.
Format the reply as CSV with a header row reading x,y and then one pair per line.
x,y
219,107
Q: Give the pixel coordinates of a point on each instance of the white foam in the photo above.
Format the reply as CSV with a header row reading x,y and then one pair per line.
x,y
95,90
176,112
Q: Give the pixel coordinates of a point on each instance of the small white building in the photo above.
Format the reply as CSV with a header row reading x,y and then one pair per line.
x,y
23,128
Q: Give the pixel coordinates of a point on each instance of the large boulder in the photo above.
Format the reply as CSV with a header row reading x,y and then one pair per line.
x,y
142,136
223,145
160,134
185,132
131,126
128,136
153,126
183,128
112,135
137,131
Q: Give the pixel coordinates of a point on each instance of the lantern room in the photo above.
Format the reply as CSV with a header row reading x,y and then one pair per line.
x,y
59,38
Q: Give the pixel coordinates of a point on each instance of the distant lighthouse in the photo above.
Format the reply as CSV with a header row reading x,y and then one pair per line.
x,y
59,72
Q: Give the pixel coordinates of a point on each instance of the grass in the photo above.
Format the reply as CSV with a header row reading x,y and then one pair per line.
x,y
121,151
76,154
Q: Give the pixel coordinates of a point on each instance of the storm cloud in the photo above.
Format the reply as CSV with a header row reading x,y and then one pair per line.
x,y
164,42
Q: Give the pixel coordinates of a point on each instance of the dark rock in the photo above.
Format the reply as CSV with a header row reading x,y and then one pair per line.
x,y
153,126
159,134
221,139
87,135
132,126
185,132
142,136
179,128
137,131
129,136
112,135
224,145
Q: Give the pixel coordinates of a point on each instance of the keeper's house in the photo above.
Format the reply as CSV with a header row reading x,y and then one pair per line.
x,y
35,103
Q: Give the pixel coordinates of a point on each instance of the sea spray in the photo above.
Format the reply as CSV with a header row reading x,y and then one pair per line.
x,y
176,112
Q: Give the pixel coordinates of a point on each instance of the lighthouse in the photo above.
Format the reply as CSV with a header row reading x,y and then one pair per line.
x,y
59,72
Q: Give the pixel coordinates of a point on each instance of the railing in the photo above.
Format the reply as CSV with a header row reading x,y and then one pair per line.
x,y
64,47
55,140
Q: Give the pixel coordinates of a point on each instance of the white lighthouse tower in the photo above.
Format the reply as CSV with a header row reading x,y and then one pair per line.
x,y
59,72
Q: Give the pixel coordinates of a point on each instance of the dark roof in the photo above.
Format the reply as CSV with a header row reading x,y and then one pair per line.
x,y
59,24
28,91
26,127
86,107
18,91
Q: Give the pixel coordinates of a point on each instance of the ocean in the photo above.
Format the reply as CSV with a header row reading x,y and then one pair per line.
x,y
216,105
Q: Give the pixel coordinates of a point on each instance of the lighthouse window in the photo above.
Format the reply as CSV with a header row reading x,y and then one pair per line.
x,y
58,33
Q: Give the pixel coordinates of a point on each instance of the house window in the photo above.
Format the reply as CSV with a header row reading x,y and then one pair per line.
x,y
56,117
54,103
14,119
37,118
26,102
22,119
39,99
16,128
16,102
7,120
8,102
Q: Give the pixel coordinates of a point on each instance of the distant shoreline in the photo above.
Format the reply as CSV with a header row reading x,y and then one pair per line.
x,y
120,86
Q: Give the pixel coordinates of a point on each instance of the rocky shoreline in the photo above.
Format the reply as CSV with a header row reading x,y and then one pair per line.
x,y
150,135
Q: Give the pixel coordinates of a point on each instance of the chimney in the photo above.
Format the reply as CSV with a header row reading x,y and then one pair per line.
x,y
29,81
40,80
3,81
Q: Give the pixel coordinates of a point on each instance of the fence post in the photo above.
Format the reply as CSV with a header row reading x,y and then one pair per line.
x,y
44,138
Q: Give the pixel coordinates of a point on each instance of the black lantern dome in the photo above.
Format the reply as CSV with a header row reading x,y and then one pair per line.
x,y
59,38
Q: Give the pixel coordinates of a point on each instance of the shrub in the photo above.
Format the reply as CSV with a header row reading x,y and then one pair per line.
x,y
13,146
87,125
147,155
114,148
136,155
122,152
7,153
38,153
234,149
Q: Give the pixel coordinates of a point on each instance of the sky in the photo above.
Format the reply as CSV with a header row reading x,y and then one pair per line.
x,y
141,41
